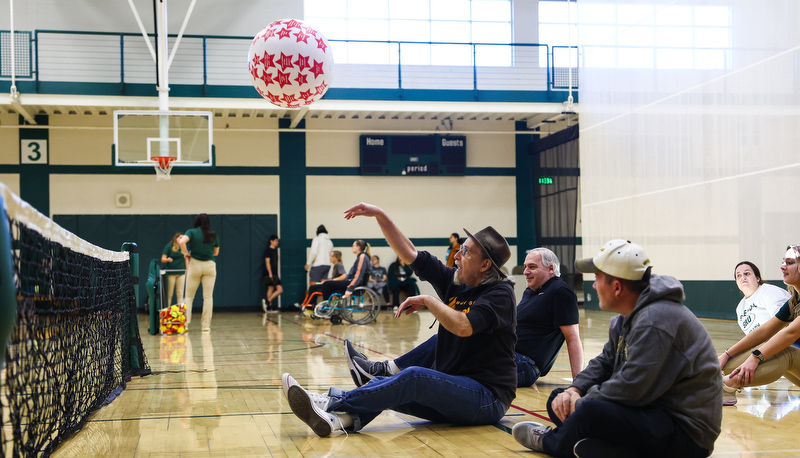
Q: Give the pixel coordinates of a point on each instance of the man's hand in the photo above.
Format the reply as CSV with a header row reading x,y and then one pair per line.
x,y
564,404
411,305
362,209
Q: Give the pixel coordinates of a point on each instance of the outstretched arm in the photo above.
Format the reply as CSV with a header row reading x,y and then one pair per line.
x,y
397,240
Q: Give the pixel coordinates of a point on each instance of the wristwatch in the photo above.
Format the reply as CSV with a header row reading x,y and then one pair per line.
x,y
758,355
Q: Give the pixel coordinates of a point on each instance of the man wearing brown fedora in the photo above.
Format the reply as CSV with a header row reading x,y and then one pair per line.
x,y
547,318
474,378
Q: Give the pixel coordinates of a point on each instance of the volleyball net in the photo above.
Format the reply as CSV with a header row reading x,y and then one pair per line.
x,y
68,317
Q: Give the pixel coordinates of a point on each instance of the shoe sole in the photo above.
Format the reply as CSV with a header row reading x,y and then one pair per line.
x,y
355,373
303,407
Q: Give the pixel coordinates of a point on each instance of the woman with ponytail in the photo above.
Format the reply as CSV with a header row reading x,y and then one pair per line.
x,y
200,247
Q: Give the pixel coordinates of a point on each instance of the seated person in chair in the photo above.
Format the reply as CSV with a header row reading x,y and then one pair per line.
x,y
337,273
401,280
377,279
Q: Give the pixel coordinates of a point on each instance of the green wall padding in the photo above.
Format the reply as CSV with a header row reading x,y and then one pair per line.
x,y
706,299
239,264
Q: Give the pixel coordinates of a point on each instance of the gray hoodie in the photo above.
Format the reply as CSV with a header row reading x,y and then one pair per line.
x,y
660,355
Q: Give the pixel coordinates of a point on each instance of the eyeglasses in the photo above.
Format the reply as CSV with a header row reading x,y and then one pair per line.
x,y
464,251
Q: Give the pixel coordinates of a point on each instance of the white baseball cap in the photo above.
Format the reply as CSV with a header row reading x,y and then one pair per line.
x,y
619,258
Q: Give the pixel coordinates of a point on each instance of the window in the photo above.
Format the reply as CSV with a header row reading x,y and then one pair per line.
x,y
420,21
640,36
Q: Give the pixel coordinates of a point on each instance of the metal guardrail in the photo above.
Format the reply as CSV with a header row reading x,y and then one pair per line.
x,y
207,61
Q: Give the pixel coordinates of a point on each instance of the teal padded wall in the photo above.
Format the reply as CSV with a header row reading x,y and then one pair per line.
x,y
242,238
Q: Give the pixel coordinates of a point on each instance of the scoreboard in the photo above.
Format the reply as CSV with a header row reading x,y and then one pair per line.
x,y
426,155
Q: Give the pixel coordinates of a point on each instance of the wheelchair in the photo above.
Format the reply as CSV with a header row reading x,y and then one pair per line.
x,y
362,307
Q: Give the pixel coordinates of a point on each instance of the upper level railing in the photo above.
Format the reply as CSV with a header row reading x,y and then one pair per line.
x,y
60,62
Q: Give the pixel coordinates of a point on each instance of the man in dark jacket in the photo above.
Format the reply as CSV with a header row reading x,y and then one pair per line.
x,y
655,389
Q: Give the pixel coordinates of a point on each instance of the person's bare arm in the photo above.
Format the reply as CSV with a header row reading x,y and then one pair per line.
x,y
401,245
574,347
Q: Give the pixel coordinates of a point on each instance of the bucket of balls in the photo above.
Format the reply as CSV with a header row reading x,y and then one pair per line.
x,y
173,319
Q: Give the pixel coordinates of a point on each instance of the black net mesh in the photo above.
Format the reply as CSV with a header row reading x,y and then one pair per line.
x,y
74,346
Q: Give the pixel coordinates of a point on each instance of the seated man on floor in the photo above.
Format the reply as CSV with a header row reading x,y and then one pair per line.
x,y
655,389
547,316
475,380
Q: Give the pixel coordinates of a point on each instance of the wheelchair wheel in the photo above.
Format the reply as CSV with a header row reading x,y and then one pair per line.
x,y
324,309
362,307
336,319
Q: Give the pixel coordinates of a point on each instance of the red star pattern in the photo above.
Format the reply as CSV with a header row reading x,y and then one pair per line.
x,y
274,98
321,88
284,33
252,65
254,72
301,79
289,98
267,78
284,79
302,62
293,24
285,61
311,31
301,36
270,33
268,60
317,69
321,44
260,92
305,95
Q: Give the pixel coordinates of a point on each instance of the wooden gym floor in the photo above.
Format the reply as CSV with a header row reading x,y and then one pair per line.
x,y
219,394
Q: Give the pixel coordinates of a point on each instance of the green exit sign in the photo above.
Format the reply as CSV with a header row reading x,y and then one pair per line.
x,y
545,180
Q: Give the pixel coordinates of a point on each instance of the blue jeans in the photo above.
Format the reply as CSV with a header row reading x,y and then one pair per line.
x,y
646,431
421,392
424,354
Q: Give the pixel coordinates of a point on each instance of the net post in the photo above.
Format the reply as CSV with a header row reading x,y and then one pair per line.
x,y
133,251
8,292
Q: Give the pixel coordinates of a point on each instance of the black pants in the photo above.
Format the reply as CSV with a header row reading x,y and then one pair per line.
x,y
333,286
646,431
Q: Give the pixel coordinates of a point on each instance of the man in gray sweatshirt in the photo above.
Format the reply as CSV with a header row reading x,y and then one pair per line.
x,y
655,389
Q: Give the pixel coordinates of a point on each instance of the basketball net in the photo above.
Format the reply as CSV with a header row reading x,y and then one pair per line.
x,y
163,166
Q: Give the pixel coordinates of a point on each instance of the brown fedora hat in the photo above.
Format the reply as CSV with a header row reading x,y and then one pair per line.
x,y
494,244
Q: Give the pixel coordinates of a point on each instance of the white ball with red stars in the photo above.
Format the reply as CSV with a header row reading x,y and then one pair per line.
x,y
290,63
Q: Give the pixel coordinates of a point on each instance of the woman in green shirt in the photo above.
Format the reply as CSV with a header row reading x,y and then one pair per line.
x,y
200,246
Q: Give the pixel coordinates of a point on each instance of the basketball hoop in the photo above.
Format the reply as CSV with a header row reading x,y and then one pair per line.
x,y
163,166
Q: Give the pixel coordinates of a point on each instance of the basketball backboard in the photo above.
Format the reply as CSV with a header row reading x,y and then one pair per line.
x,y
141,135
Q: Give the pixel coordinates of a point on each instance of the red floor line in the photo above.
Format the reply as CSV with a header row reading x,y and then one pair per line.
x,y
530,412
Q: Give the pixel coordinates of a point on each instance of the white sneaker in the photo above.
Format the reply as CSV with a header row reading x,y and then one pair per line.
x,y
264,305
310,407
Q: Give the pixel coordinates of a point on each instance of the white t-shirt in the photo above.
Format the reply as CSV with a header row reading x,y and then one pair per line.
x,y
320,254
755,310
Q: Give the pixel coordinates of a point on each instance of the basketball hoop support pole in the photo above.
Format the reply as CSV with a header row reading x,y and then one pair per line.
x,y
163,72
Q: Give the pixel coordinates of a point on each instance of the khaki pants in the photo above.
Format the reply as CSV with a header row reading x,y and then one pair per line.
x,y
172,281
786,363
198,272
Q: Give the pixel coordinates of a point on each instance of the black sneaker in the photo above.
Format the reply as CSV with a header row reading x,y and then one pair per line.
x,y
363,370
